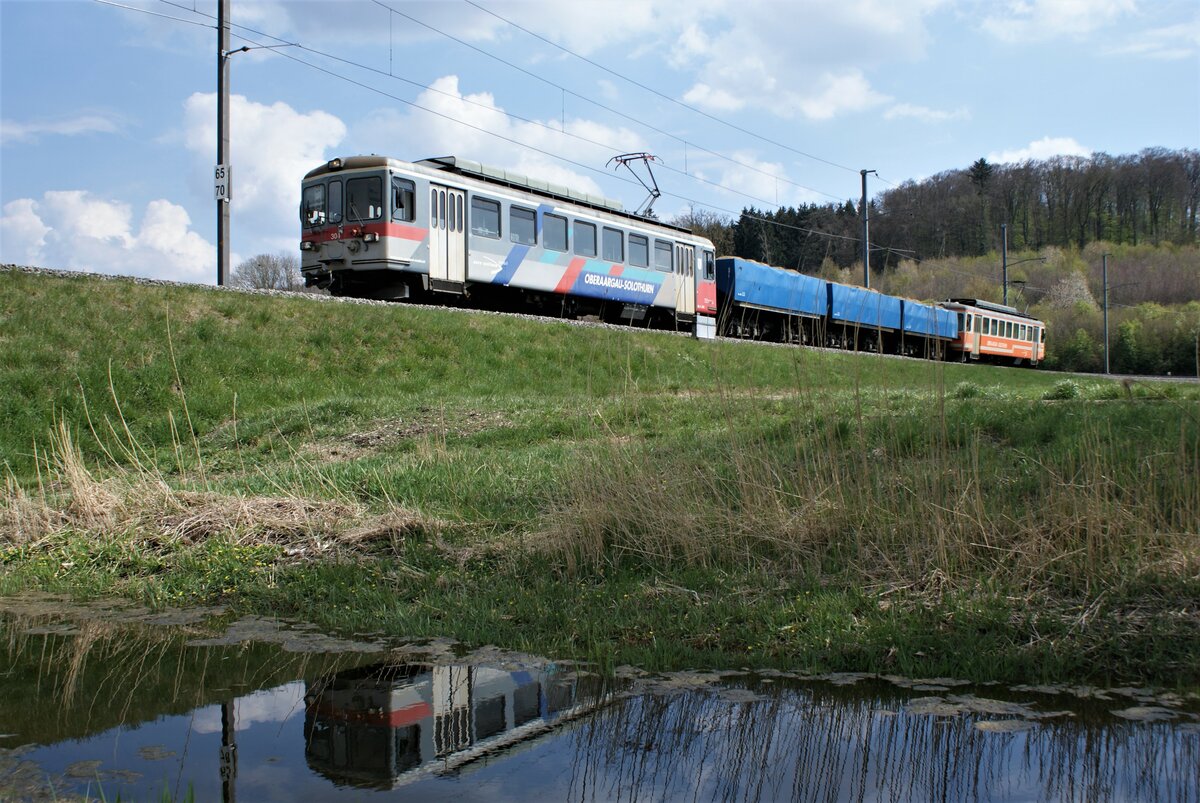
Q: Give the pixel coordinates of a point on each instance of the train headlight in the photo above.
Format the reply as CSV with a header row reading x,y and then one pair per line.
x,y
334,164
371,237
307,245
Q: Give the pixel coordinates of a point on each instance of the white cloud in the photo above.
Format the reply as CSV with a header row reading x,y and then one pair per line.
x,y
587,26
692,46
273,705
717,100
806,59
925,114
1171,43
1039,20
846,92
13,131
490,136
608,90
76,230
1041,149
271,148
24,232
751,180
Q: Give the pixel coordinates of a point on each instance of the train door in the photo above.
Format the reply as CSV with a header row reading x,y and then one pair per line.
x,y
685,280
447,239
980,323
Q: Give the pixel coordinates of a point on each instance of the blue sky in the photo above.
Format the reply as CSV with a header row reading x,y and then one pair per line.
x,y
108,115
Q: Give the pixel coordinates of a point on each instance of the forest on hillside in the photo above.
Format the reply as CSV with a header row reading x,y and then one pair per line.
x,y
941,237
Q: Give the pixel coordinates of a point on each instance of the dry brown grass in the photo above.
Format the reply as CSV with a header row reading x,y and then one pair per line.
x,y
824,508
140,506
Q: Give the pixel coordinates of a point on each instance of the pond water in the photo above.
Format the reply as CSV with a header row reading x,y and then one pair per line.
x,y
104,699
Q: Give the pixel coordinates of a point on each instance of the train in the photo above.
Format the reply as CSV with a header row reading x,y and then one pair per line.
x,y
386,725
453,231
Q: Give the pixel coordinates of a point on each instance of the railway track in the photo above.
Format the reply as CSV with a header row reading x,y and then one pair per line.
x,y
328,299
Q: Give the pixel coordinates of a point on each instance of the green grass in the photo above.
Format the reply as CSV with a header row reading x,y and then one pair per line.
x,y
623,496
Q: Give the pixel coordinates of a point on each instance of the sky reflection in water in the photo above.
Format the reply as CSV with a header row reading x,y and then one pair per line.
x,y
136,711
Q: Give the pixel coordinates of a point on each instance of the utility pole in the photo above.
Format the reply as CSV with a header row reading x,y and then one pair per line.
x,y
1104,280
866,237
1004,259
228,754
222,177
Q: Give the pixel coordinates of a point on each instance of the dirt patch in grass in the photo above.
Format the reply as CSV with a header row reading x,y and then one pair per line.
x,y
423,425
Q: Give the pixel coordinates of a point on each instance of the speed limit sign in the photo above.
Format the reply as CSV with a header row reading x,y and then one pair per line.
x,y
221,182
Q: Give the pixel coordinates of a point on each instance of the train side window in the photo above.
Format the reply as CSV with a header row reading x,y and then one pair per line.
x,y
639,251
485,217
1043,335
664,256
1008,329
710,266
585,239
613,245
554,232
962,318
312,208
364,198
995,327
522,225
403,192
335,201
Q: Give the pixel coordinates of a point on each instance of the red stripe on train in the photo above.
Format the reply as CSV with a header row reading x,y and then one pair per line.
x,y
568,279
397,230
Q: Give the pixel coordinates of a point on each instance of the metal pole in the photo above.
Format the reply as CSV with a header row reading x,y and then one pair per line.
x,y
866,237
228,756
223,137
1004,259
1104,280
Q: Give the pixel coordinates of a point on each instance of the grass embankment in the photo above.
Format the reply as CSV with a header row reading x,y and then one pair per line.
x,y
580,492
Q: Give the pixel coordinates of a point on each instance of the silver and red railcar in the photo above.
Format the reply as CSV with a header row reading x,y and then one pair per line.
x,y
450,228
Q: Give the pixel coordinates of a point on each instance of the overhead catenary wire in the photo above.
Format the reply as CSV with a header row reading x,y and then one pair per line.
x,y
654,91
566,91
691,201
155,13
562,131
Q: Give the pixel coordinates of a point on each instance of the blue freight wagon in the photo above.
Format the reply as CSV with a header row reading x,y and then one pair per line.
x,y
762,301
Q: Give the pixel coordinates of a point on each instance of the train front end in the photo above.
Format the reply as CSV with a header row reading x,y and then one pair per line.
x,y
360,232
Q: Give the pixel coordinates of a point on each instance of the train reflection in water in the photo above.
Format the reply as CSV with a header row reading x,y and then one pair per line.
x,y
385,725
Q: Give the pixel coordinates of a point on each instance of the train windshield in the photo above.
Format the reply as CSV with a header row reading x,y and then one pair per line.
x,y
312,205
364,198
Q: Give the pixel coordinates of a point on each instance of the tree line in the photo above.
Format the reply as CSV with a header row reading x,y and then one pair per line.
x,y
1151,197
1067,201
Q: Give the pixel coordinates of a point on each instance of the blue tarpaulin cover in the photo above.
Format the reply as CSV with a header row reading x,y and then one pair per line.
x,y
856,305
759,285
929,321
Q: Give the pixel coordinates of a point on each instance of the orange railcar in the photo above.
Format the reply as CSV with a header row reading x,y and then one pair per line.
x,y
996,333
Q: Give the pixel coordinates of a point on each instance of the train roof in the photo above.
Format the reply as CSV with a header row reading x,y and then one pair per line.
x,y
990,306
498,175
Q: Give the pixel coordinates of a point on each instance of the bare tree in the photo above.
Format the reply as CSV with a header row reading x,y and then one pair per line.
x,y
269,272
